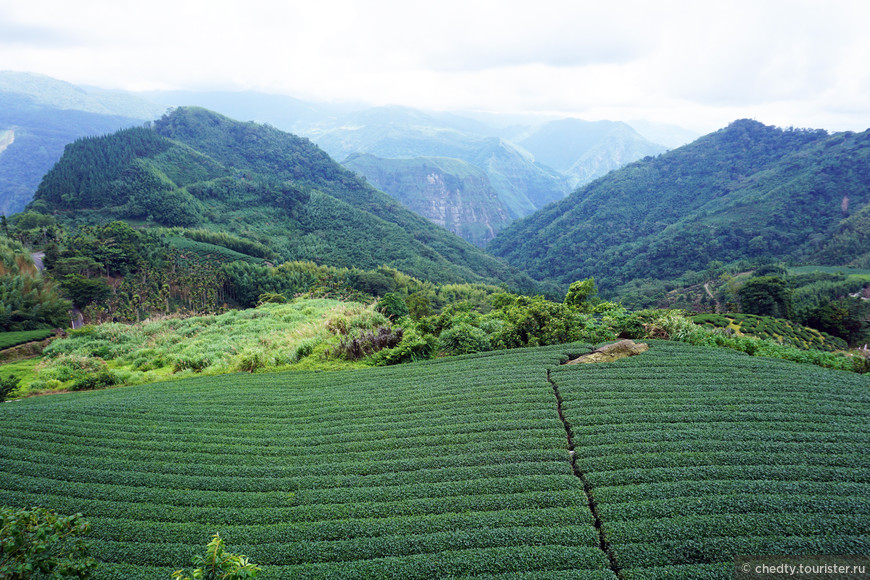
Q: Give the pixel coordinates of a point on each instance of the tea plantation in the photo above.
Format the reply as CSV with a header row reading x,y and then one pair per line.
x,y
696,455
460,466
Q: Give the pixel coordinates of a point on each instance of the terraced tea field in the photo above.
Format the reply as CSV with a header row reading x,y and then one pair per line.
x,y
453,467
459,467
696,455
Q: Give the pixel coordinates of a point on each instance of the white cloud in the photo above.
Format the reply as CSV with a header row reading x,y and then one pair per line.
x,y
700,64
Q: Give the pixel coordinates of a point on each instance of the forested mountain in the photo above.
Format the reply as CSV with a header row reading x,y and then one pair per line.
x,y
398,132
746,191
586,150
40,115
194,167
449,192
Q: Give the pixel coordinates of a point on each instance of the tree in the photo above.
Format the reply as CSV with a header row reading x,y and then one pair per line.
x,y
581,293
83,291
766,296
38,541
845,318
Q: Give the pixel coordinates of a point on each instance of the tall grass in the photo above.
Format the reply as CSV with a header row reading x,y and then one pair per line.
x,y
269,337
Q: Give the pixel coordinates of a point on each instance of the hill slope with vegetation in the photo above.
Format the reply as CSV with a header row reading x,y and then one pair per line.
x,y
197,168
745,192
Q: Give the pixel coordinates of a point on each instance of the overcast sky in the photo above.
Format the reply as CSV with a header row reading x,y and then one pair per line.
x,y
695,63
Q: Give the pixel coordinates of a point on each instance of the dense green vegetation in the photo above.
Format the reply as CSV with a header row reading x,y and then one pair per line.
x,y
745,192
202,171
459,466
695,455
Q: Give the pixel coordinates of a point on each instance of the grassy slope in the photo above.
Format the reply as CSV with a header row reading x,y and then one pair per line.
x,y
458,466
269,337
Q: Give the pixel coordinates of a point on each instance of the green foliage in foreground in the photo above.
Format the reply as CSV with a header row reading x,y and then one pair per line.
x,y
696,455
39,543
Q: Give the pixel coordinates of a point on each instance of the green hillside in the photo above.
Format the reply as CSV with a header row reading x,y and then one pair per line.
x,y
449,192
745,192
195,168
460,467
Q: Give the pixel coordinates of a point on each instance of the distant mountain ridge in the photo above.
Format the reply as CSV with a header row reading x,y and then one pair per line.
x,y
402,133
746,191
196,168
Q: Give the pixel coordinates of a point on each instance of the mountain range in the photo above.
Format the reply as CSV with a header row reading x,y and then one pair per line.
x,y
747,191
196,168
40,115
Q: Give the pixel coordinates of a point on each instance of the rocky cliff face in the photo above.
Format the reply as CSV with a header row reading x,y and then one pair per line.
x,y
451,193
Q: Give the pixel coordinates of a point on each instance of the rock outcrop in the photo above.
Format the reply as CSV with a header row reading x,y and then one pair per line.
x,y
611,352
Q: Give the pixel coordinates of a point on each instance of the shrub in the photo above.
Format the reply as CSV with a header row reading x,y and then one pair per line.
x,y
304,348
367,342
463,338
250,360
99,380
218,564
413,347
392,306
194,362
7,385
38,541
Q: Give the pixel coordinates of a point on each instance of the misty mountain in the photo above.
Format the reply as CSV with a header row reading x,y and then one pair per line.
x,y
402,133
671,136
449,192
587,150
748,191
39,116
